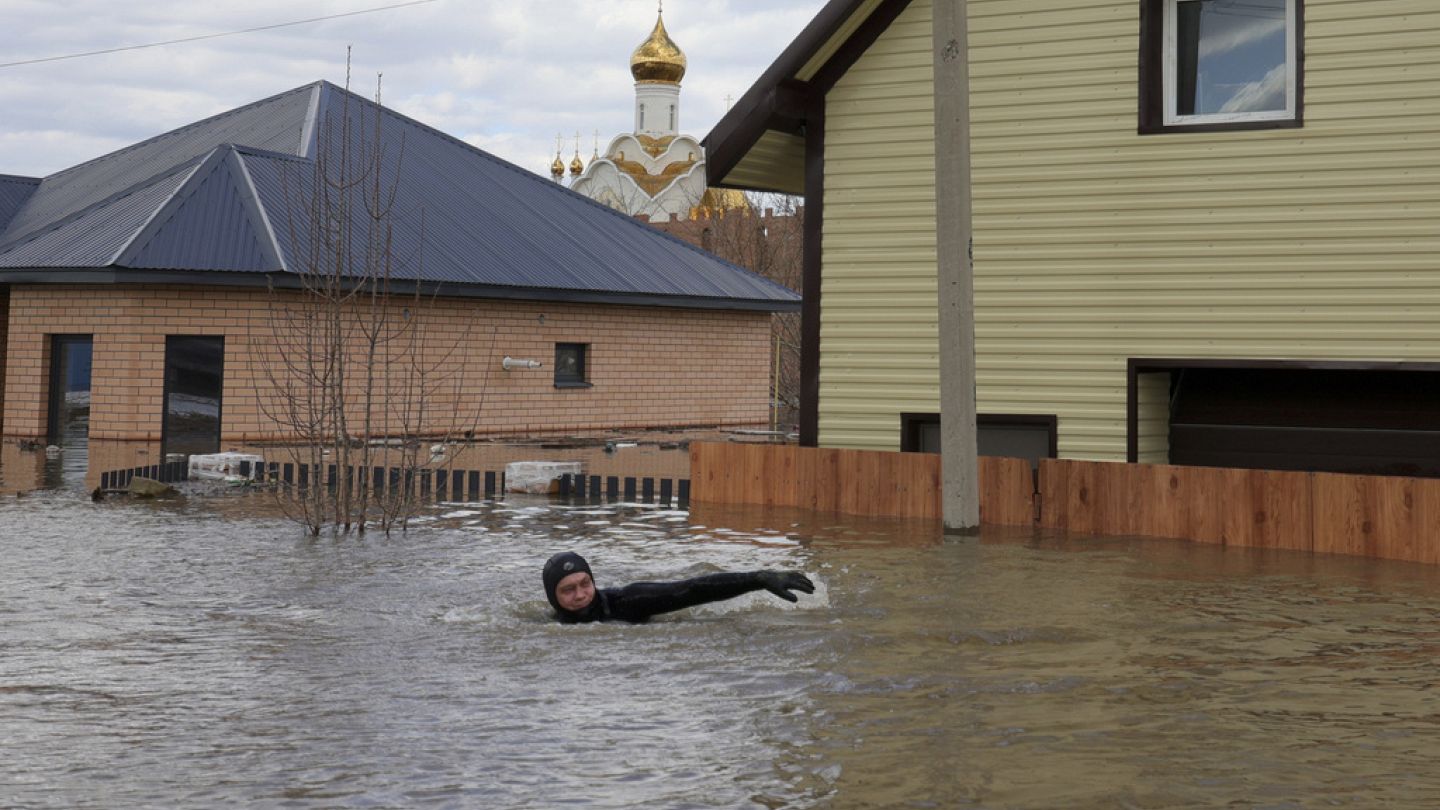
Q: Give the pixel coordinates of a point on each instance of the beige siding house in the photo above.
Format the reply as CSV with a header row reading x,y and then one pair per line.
x,y
1205,231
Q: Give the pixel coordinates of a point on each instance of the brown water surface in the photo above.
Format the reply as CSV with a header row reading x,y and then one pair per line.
x,y
202,652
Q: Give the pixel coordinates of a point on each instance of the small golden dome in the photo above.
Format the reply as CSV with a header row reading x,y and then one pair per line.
x,y
658,59
576,167
557,169
719,201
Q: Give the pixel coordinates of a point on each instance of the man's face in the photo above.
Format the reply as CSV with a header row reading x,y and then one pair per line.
x,y
575,592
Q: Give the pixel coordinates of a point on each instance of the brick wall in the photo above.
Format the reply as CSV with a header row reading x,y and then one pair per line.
x,y
650,367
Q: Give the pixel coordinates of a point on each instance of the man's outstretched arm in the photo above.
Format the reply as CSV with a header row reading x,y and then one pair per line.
x,y
640,601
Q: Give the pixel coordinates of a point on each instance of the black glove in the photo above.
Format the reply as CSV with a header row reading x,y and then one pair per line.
x,y
781,583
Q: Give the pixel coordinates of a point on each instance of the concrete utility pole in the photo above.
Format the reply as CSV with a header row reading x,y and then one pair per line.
x,y
953,240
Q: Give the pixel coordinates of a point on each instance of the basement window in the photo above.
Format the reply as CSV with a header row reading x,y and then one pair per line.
x,y
570,370
1027,436
1220,64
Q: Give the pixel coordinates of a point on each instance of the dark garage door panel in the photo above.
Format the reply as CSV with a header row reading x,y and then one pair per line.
x,y
1353,421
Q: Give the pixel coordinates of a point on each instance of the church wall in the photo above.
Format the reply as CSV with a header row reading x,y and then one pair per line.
x,y
649,367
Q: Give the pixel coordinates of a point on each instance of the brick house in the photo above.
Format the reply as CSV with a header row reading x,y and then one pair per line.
x,y
165,290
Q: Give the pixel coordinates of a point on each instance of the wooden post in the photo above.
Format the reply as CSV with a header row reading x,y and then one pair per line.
x,y
953,244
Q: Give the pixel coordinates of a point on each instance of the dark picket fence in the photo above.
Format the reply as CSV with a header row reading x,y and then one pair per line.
x,y
454,485
439,485
629,489
167,473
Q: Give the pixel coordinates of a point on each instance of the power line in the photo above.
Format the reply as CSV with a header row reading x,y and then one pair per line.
x,y
215,36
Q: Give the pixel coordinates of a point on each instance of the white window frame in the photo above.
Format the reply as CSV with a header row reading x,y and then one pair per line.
x,y
1170,75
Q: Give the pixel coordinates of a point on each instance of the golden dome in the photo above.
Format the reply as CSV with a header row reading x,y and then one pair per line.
x,y
718,201
557,169
576,167
658,59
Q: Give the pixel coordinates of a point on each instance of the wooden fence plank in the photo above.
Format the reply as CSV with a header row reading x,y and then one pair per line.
x,y
1201,494
1079,496
781,481
1054,489
1267,509
1007,494
1427,517
1162,515
1339,508
1390,511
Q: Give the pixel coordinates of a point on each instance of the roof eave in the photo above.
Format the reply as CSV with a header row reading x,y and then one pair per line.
x,y
790,91
291,281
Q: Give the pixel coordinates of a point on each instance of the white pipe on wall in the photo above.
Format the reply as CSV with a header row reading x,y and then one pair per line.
x,y
511,363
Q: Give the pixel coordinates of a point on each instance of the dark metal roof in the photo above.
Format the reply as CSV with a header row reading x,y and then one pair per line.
x,y
96,236
235,197
14,191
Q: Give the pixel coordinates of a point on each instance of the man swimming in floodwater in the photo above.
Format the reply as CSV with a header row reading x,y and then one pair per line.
x,y
572,591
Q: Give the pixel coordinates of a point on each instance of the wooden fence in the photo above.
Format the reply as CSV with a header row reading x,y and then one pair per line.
x,y
1363,515
1370,516
856,482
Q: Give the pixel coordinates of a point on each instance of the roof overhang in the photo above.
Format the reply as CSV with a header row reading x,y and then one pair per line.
x,y
759,144
397,287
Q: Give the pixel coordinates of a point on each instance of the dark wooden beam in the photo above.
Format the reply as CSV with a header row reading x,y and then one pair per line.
x,y
859,42
811,274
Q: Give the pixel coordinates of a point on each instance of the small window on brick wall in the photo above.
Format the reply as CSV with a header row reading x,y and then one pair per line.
x,y
570,365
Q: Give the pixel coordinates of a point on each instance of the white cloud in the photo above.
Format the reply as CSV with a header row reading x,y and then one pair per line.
x,y
503,75
1226,30
1266,94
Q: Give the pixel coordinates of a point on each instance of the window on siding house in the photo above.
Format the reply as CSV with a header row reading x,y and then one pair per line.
x,y
1220,64
570,370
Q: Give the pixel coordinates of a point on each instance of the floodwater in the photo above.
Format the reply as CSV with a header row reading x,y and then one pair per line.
x,y
199,653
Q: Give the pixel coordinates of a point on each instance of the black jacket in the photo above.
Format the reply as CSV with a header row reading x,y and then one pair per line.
x,y
638,602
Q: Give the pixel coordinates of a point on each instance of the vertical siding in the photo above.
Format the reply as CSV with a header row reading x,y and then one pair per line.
x,y
878,333
1152,439
1095,244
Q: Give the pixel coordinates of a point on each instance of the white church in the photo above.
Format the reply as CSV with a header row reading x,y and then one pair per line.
x,y
654,171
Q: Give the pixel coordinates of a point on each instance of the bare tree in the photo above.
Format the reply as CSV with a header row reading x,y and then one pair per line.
x,y
355,370
765,237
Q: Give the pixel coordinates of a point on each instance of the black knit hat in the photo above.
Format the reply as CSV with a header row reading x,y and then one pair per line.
x,y
557,568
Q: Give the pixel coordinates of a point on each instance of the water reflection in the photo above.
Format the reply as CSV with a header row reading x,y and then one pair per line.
x,y
171,655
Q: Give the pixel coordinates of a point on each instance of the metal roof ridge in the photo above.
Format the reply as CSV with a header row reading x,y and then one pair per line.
x,y
16,178
269,154
163,212
255,207
34,233
310,132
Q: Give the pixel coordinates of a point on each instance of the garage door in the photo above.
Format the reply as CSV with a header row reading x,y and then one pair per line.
x,y
1382,422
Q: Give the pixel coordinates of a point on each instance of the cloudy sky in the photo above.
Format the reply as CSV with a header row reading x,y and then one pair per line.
x,y
505,75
